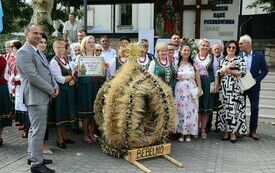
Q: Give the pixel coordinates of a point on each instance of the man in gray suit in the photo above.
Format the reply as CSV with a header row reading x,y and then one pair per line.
x,y
38,87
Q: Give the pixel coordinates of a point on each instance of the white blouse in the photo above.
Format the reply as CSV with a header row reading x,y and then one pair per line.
x,y
56,71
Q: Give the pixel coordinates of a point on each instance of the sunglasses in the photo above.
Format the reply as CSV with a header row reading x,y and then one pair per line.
x,y
99,50
233,47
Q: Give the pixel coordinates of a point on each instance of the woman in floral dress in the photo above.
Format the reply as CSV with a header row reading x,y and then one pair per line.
x,y
187,105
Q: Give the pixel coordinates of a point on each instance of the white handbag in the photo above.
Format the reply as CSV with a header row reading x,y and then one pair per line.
x,y
194,92
246,82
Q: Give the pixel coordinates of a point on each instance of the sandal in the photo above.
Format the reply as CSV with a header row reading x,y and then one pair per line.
x,y
203,135
181,139
88,140
188,139
48,151
93,138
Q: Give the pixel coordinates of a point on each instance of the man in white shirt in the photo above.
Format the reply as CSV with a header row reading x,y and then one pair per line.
x,y
71,28
175,40
108,53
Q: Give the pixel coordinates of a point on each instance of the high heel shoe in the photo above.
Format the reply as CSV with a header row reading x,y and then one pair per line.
x,y
225,137
233,137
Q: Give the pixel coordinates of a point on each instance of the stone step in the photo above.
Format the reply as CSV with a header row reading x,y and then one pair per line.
x,y
270,77
264,100
267,91
263,118
268,84
264,109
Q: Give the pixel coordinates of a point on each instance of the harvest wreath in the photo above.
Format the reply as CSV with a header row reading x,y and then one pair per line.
x,y
134,109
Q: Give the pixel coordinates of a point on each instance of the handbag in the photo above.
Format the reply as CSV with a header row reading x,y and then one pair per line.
x,y
246,82
195,92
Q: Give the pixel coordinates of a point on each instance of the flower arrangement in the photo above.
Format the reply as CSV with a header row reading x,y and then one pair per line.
x,y
191,42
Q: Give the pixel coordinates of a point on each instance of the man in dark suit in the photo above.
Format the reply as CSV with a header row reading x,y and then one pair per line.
x,y
38,87
256,64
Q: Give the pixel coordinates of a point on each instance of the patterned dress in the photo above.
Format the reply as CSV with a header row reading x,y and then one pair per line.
x,y
232,113
206,72
187,106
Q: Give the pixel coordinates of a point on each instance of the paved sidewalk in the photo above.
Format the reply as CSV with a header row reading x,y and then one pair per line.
x,y
199,156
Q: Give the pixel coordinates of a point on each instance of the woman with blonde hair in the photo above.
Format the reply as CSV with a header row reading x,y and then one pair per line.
x,y
203,60
161,66
63,106
87,88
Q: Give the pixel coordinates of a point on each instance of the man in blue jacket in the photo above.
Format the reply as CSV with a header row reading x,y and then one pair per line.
x,y
256,64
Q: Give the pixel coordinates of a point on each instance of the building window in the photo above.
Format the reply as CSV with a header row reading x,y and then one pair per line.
x,y
125,14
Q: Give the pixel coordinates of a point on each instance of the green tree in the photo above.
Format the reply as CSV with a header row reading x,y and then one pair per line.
x,y
266,5
17,13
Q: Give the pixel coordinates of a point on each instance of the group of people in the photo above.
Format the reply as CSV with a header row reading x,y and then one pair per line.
x,y
47,89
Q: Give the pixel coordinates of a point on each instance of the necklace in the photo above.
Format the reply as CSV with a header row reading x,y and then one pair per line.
x,y
230,59
203,58
121,60
162,64
142,60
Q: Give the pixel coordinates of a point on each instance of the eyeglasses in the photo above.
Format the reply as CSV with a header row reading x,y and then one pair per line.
x,y
233,47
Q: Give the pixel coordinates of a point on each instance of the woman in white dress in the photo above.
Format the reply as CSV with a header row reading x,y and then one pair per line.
x,y
187,104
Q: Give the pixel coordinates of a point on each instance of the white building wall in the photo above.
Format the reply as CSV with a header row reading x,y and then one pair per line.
x,y
100,18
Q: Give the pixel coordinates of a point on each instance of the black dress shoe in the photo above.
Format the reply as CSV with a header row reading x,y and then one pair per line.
x,y
45,161
61,145
69,141
41,169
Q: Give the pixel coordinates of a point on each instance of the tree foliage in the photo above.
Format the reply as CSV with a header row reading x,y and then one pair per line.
x,y
17,13
266,5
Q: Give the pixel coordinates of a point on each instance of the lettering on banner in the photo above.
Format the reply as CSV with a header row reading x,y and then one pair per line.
x,y
222,21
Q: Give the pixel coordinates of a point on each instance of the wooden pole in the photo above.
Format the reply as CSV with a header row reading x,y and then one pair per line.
x,y
177,163
139,165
